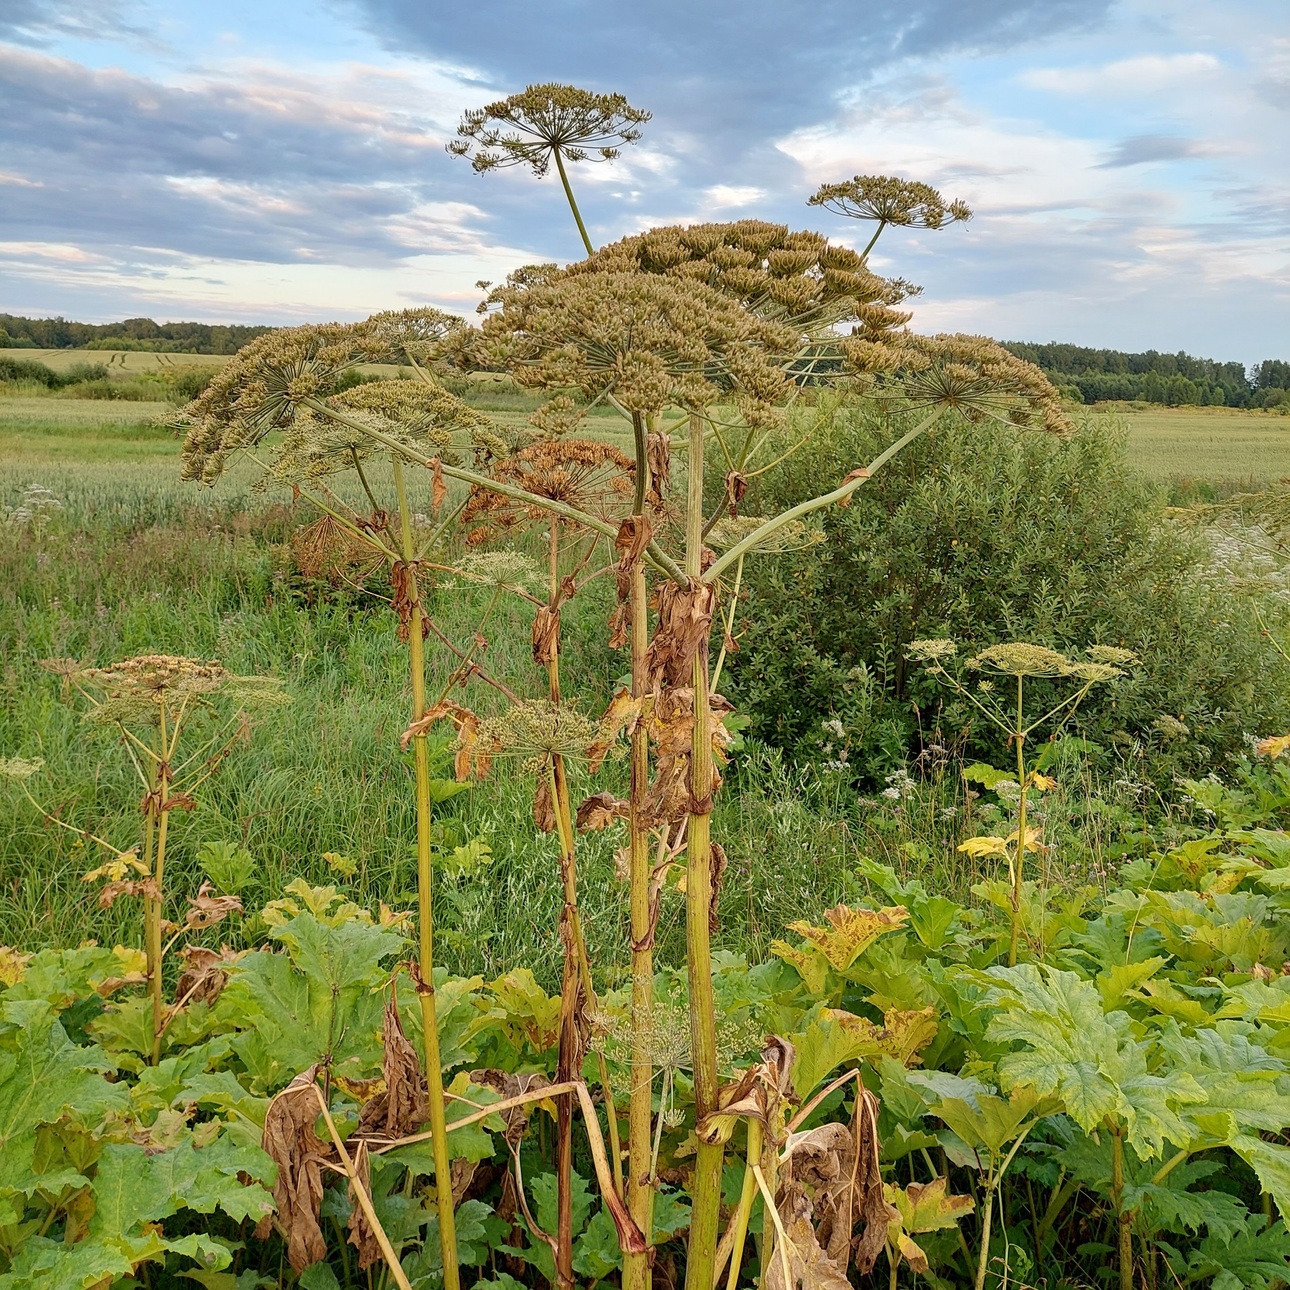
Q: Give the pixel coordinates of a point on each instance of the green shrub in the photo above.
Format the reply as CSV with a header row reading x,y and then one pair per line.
x,y
134,390
20,371
79,373
183,384
985,536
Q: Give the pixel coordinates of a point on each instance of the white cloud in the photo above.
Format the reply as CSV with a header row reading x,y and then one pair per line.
x,y
1127,77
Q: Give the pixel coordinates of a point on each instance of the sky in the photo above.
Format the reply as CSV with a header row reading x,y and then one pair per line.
x,y
281,161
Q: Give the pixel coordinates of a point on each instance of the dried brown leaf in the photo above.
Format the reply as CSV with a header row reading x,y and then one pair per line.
x,y
543,807
205,910
362,1236
546,635
599,811
205,973
401,1108
299,1154
681,634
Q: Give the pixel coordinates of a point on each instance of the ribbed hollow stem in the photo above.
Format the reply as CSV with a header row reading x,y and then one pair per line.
x,y
706,1185
425,915
640,1188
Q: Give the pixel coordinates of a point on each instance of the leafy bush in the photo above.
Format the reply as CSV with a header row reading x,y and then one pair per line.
x,y
984,535
26,371
136,390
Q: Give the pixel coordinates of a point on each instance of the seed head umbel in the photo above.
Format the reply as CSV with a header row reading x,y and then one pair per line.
x,y
651,341
275,381
886,199
971,375
797,277
528,129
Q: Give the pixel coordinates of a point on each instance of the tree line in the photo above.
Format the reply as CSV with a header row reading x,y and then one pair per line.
x,y
17,332
1087,375
1093,375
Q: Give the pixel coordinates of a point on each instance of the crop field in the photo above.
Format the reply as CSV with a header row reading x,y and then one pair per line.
x,y
1213,445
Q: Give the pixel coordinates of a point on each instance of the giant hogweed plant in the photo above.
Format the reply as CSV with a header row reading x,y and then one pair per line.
x,y
1013,665
699,337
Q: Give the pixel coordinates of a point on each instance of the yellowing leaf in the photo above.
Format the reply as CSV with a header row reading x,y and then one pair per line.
x,y
850,931
13,966
989,846
1273,746
928,1207
836,1037
809,963
1041,782
1032,840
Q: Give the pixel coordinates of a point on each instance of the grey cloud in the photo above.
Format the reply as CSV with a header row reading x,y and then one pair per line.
x,y
117,160
1142,148
721,70
39,22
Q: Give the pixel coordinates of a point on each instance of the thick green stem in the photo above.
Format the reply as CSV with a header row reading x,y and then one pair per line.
x,y
844,490
152,917
640,1186
1019,854
746,1198
573,205
1123,1217
706,1185
987,1216
425,986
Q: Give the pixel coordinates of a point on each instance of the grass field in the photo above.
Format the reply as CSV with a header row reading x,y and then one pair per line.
x,y
138,561
1214,445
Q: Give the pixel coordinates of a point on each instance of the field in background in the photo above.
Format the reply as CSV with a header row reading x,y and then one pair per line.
x,y
138,560
1215,445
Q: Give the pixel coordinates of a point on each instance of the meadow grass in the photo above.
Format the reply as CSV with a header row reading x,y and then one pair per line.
x,y
1215,445
138,561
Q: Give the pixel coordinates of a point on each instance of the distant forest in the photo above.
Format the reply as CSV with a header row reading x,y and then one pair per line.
x,y
133,333
1087,375
1092,375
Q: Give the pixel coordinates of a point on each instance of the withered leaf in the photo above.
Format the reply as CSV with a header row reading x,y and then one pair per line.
x,y
681,634
205,973
622,714
145,887
401,1109
859,473
736,488
438,489
658,455
758,1094
403,581
543,807
299,1153
362,1236
205,910
599,811
634,535
546,635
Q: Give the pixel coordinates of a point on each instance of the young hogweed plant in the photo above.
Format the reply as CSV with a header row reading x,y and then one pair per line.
x,y
177,719
1005,709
